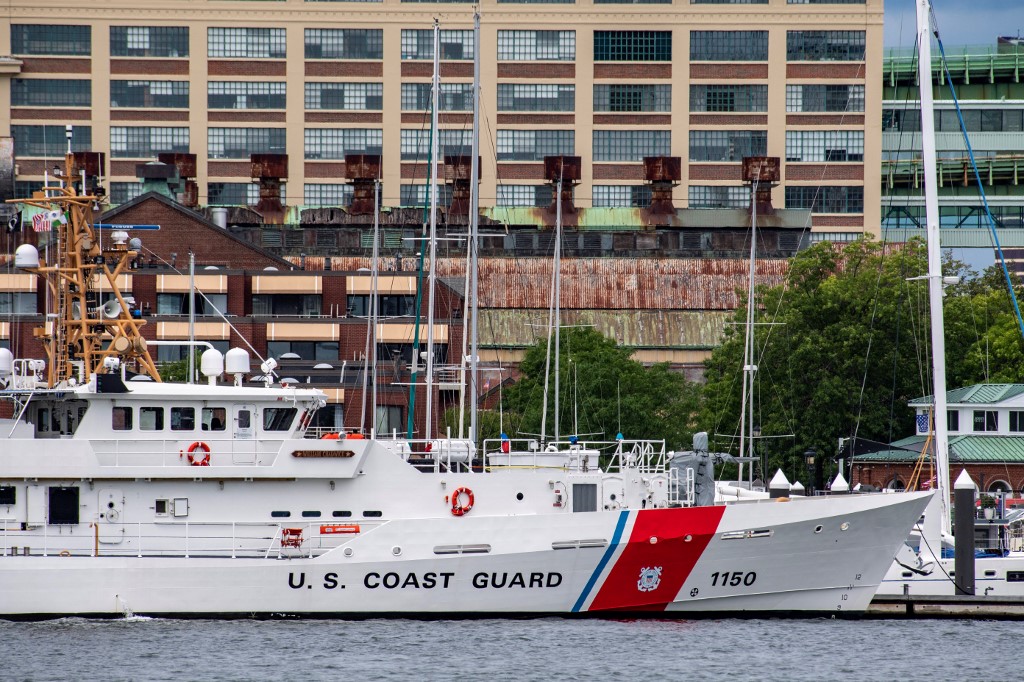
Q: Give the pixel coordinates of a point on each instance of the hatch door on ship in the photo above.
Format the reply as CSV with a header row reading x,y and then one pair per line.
x,y
243,435
110,511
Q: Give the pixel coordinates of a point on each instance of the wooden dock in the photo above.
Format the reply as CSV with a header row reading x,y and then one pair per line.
x,y
959,606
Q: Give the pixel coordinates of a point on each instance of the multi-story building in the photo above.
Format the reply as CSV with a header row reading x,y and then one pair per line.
x,y
611,81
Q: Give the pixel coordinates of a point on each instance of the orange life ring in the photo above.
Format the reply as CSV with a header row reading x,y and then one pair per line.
x,y
195,458
459,509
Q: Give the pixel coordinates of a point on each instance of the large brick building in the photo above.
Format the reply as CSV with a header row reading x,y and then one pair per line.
x,y
611,81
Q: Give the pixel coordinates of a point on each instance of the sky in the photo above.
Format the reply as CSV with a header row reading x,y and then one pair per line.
x,y
961,22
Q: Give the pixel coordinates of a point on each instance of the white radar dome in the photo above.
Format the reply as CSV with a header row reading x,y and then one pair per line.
x,y
236,361
211,363
26,256
6,362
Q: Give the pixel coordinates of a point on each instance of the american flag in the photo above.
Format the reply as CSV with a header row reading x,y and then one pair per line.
x,y
41,222
922,423
927,485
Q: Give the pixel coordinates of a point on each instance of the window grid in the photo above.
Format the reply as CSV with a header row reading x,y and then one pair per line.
x,y
49,141
415,144
634,196
130,142
149,94
524,195
825,46
534,145
946,121
632,98
632,46
322,194
826,199
234,193
245,95
419,44
824,145
419,195
345,96
50,39
246,43
534,46
727,145
335,143
718,196
148,41
536,97
631,145
344,43
729,46
240,143
453,97
839,98
728,98
123,192
51,92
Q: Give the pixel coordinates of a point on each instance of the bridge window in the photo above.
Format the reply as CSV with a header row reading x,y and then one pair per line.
x,y
121,419
183,418
151,418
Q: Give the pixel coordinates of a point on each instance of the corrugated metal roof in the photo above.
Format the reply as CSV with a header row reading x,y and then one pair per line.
x,y
978,394
965,448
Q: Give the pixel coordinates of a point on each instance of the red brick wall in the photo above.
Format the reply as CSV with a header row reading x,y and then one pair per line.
x,y
728,119
343,117
335,69
731,171
52,114
55,65
144,291
633,119
536,119
325,170
216,67
825,119
618,171
856,221
632,70
149,67
832,171
448,69
246,116
983,474
230,169
239,295
334,293
825,70
719,71
520,171
148,115
536,70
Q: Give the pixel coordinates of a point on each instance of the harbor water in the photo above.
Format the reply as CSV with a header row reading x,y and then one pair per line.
x,y
520,650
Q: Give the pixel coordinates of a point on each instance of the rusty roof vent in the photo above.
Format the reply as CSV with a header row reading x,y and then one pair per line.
x,y
568,169
270,170
187,190
764,174
457,172
362,171
662,174
93,164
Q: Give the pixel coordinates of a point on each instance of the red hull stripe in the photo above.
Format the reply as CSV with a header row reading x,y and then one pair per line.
x,y
662,550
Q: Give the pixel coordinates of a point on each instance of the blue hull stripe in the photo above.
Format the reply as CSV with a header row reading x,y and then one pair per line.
x,y
612,546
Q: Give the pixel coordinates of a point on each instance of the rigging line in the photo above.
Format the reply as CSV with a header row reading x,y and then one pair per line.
x,y
977,176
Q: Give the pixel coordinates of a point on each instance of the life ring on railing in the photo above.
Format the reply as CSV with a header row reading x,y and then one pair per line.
x,y
199,454
459,509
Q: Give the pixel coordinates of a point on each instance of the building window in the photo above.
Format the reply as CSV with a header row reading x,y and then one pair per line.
x,y
632,98
389,417
51,92
123,192
151,418
245,95
630,144
177,304
1016,421
524,195
825,46
387,306
727,145
826,199
135,143
718,196
986,420
824,145
50,141
335,143
728,98
419,195
121,419
534,46
245,43
453,97
320,351
240,143
839,98
415,144
183,419
419,44
177,353
149,94
235,193
345,96
17,303
296,305
632,46
634,196
344,43
536,97
729,46
326,195
148,41
51,39
953,421
534,145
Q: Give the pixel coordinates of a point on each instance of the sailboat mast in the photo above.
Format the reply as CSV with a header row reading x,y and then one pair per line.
x,y
374,298
931,203
432,239
558,294
474,230
747,399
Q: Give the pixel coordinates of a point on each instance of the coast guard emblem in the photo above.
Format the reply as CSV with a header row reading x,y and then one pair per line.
x,y
649,580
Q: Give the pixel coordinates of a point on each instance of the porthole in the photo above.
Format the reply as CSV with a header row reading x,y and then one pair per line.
x,y
397,551
818,529
688,538
519,496
280,514
311,515
373,514
845,525
348,551
341,514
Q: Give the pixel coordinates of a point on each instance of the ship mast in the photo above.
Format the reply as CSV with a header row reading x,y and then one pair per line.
x,y
80,335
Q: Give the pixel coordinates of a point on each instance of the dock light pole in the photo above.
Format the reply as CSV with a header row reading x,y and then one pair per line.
x,y
809,456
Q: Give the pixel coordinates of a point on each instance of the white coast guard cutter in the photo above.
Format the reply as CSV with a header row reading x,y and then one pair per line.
x,y
124,496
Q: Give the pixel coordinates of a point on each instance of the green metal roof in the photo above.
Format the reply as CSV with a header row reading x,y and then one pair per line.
x,y
978,394
976,449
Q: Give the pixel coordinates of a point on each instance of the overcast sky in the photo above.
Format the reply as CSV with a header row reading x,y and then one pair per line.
x,y
961,22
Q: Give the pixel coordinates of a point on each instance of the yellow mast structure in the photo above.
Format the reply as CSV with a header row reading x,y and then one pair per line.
x,y
80,334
